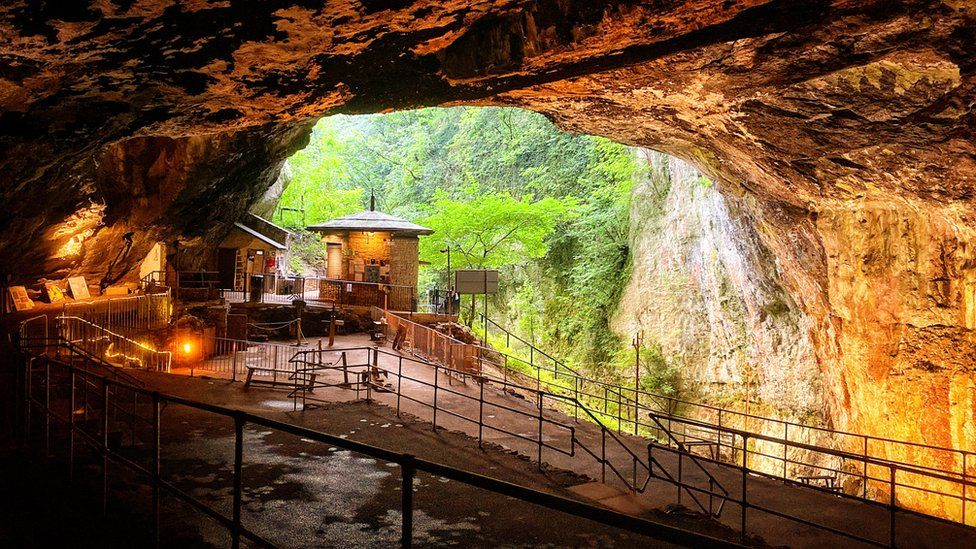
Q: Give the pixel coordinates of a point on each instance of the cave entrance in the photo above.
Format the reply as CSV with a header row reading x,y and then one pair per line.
x,y
408,198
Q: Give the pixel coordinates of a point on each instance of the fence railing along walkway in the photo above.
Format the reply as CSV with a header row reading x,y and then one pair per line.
x,y
58,378
808,455
126,314
703,480
110,347
307,362
374,369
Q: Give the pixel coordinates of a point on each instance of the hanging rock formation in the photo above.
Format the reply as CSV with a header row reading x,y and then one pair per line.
x,y
847,127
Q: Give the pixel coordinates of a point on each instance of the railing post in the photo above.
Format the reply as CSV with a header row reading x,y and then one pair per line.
x,y
104,447
745,491
680,473
155,469
238,481
399,382
865,455
406,501
436,372
965,475
233,365
71,429
891,506
47,409
481,411
540,432
786,438
577,382
603,453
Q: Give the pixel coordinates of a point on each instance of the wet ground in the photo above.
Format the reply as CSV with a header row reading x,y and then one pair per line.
x,y
297,492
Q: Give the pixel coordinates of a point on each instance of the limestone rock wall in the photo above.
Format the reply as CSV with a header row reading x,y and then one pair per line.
x,y
858,316
706,287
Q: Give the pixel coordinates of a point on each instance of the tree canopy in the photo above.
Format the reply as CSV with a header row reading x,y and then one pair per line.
x,y
491,230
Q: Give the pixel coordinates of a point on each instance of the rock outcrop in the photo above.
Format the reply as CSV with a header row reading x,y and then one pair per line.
x,y
707,289
841,131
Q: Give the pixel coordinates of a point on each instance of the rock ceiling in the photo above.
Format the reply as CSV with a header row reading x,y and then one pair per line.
x,y
795,101
846,127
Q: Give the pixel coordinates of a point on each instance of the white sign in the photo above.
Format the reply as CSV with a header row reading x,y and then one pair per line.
x,y
476,281
78,287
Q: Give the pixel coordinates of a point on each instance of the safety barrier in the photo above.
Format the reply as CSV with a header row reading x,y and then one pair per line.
x,y
110,347
236,357
128,315
148,408
808,457
370,367
419,340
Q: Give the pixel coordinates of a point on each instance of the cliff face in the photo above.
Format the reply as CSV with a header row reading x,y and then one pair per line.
x,y
873,334
840,134
706,287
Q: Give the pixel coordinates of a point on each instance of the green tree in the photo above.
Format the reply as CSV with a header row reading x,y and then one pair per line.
x,y
491,230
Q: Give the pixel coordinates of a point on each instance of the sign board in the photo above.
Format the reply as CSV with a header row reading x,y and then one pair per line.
x,y
78,287
22,301
476,281
54,292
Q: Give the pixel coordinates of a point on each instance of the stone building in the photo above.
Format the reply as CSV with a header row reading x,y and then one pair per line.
x,y
377,254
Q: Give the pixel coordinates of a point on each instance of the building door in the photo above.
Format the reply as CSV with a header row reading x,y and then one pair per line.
x,y
334,261
226,265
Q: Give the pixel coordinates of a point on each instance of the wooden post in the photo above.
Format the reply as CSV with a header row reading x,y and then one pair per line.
x,y
332,322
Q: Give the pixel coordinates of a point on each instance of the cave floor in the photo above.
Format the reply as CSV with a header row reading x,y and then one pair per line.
x,y
293,475
460,401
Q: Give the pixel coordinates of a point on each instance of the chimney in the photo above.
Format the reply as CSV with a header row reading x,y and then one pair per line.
x,y
372,201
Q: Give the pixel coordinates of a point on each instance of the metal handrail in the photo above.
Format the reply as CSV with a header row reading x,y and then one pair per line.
x,y
694,459
64,326
632,484
619,389
409,465
894,468
535,349
626,398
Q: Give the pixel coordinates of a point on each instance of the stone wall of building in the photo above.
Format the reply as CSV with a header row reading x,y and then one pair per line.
x,y
405,260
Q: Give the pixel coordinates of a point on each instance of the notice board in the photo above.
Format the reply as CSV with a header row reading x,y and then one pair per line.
x,y
476,281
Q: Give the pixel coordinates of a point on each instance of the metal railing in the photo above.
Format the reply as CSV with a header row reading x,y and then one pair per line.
x,y
628,409
883,472
110,347
368,370
238,357
709,495
434,346
96,435
128,314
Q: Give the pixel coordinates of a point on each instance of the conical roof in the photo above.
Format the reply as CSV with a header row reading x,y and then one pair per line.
x,y
370,220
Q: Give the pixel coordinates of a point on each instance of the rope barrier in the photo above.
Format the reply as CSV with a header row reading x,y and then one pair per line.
x,y
271,326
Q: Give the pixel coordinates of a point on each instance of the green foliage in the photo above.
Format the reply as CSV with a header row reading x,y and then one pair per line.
x,y
504,189
491,230
307,253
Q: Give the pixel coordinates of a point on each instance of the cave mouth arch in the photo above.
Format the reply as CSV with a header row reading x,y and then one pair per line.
x,y
843,131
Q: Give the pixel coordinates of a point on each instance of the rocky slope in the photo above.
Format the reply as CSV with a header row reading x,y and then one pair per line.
x,y
841,134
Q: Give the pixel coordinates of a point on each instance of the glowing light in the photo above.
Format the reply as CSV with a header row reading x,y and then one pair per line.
x,y
77,228
187,348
